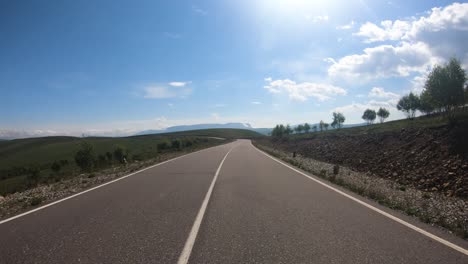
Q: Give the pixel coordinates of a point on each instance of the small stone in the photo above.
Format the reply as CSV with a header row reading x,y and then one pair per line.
x,y
395,174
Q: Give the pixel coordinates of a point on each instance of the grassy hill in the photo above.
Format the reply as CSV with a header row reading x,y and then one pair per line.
x,y
21,156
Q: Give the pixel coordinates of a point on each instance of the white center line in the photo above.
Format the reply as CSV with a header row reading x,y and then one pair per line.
x,y
394,218
185,255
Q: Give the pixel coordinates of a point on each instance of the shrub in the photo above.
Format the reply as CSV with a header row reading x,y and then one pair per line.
x,y
120,154
56,166
84,157
175,144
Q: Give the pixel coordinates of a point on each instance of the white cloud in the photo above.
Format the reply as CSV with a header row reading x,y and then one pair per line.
x,y
350,25
389,30
161,91
302,91
379,92
179,84
384,61
256,103
420,44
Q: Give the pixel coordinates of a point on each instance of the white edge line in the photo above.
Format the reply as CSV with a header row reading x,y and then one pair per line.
x,y
394,218
185,255
99,186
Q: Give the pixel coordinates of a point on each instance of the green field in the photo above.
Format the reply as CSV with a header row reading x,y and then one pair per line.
x,y
19,156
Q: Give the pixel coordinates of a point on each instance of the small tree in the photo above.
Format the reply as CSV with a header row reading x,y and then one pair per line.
x,y
321,125
383,114
369,115
426,103
445,85
314,128
409,104
288,130
299,129
306,127
84,157
338,120
326,126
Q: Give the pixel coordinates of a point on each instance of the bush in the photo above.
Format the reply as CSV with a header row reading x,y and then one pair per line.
x,y
120,154
163,145
84,157
175,144
56,167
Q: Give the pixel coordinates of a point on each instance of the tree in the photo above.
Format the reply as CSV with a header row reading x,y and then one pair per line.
x,y
288,130
306,127
369,115
120,154
383,114
278,131
326,126
426,103
314,128
445,85
84,157
338,120
409,104
299,129
321,125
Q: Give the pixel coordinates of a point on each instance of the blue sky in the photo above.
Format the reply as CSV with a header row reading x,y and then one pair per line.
x,y
118,67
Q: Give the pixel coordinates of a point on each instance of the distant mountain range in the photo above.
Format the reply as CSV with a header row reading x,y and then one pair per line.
x,y
264,131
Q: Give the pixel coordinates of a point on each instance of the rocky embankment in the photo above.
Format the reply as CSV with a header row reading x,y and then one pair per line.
x,y
428,159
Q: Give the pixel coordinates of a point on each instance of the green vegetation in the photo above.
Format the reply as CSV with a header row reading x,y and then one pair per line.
x,y
338,120
383,114
369,116
444,92
24,163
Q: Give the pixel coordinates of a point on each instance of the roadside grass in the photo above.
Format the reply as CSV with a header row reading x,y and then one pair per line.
x,y
24,163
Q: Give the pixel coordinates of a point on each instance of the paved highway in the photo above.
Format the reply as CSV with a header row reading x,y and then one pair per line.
x,y
227,204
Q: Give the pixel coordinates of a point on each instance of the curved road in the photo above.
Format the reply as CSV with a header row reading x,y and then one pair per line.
x,y
227,204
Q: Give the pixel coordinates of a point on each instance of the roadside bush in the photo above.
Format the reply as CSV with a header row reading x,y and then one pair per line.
x,y
120,154
84,157
175,144
56,166
163,145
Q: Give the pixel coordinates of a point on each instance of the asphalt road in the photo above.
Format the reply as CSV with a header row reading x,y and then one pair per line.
x,y
259,211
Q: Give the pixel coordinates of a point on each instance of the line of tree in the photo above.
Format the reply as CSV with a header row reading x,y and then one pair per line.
x,y
282,130
445,91
370,115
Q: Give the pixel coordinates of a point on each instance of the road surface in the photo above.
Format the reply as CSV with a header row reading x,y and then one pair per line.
x,y
226,204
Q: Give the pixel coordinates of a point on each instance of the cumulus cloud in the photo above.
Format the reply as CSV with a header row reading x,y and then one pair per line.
x,y
302,91
256,103
388,30
379,92
385,61
419,44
